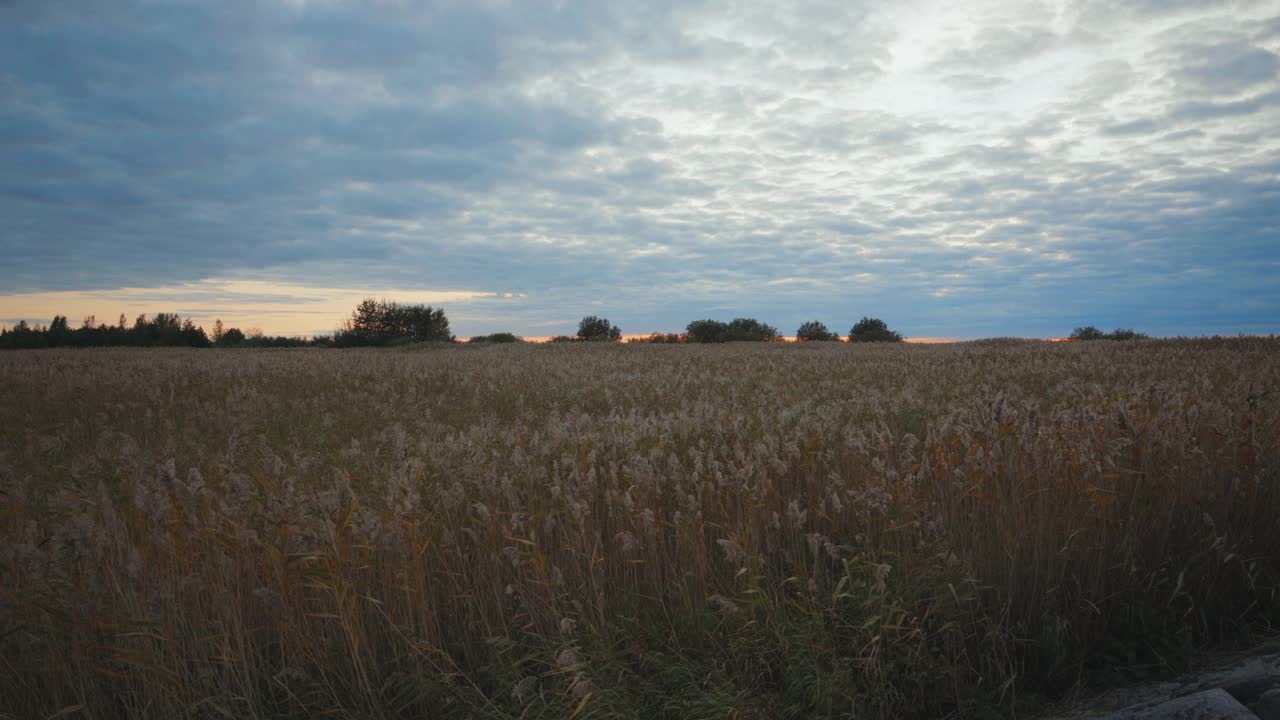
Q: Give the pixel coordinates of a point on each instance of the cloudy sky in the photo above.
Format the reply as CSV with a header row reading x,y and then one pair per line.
x,y
960,169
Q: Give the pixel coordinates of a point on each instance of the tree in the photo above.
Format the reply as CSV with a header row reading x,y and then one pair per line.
x,y
872,330
218,331
814,330
420,323
378,322
1087,332
598,329
165,329
706,331
749,330
231,337
736,330
58,333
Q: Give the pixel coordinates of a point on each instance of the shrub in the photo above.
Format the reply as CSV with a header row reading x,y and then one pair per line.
x,y
706,331
598,329
231,337
1090,332
495,338
814,330
378,322
659,338
872,330
750,330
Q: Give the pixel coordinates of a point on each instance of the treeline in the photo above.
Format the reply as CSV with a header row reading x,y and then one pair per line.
x,y
236,338
163,330
752,330
373,323
376,323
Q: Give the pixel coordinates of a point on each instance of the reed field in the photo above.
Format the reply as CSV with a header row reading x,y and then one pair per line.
x,y
753,530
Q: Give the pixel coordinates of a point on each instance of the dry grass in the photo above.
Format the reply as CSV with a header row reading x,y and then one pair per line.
x,y
590,531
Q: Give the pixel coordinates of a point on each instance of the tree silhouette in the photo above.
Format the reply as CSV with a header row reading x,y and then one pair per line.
x,y
1090,332
872,330
814,330
706,331
749,329
598,329
378,322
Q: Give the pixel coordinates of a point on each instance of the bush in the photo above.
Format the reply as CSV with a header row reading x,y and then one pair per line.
x,y
872,330
378,322
1090,332
659,338
231,338
706,331
495,338
736,330
598,329
750,330
814,330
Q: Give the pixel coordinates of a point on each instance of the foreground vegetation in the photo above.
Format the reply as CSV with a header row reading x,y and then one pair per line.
x,y
604,530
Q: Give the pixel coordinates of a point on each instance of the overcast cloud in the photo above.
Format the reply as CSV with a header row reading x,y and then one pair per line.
x,y
959,169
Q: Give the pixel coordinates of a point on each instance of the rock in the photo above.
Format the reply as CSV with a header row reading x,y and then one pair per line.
x,y
1268,706
1148,694
1213,704
1245,682
1245,679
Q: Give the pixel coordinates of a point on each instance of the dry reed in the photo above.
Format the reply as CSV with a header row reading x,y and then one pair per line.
x,y
602,531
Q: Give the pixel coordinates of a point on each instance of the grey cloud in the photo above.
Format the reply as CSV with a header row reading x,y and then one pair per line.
x,y
1103,81
1093,13
1141,126
975,81
653,163
1207,110
190,139
1268,30
1213,62
998,47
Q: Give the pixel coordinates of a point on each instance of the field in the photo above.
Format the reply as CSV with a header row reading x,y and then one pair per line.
x,y
599,531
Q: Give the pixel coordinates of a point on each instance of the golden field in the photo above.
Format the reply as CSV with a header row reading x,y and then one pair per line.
x,y
599,531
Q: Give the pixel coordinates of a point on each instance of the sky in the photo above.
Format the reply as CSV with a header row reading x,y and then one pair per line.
x,y
959,169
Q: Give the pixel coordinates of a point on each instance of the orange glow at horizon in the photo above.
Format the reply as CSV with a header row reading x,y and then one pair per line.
x,y
273,308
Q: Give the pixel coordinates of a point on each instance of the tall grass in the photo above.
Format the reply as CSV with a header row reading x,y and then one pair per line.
x,y
639,531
